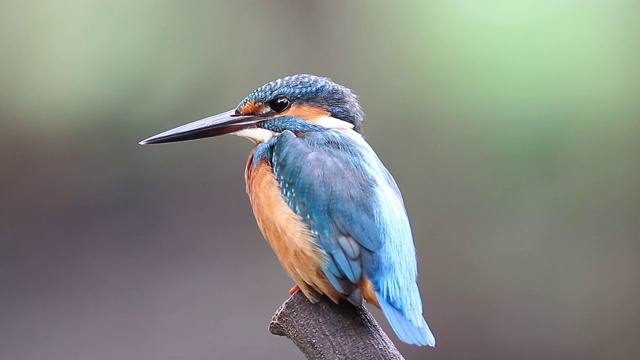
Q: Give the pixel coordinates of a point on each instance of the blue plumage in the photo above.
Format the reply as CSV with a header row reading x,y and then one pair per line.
x,y
310,150
335,182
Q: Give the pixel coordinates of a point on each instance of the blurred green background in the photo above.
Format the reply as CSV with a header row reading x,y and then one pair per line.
x,y
513,129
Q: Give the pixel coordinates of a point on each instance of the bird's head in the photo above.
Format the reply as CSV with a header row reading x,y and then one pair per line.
x,y
314,99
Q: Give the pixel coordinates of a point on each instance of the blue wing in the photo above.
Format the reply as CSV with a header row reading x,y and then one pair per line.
x,y
341,190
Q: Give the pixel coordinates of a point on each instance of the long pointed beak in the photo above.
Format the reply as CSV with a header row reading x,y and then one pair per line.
x,y
216,125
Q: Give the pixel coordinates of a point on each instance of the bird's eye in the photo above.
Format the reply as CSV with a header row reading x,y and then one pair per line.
x,y
279,104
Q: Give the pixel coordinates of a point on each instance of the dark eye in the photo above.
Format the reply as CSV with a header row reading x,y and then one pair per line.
x,y
279,104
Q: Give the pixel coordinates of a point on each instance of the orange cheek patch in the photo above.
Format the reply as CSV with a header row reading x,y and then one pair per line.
x,y
251,108
306,112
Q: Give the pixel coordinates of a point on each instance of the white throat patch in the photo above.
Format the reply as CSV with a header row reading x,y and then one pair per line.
x,y
257,135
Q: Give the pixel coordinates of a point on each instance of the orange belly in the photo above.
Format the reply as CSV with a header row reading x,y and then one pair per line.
x,y
289,237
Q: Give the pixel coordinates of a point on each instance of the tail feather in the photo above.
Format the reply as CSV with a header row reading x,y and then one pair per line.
x,y
407,331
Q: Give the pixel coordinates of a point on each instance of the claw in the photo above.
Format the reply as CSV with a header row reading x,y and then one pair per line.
x,y
294,289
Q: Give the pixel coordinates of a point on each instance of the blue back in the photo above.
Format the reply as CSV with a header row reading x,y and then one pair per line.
x,y
350,202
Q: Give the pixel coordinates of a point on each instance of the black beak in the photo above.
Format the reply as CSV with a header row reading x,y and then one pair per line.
x,y
216,125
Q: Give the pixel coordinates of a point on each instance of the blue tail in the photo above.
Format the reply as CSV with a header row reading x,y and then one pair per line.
x,y
416,334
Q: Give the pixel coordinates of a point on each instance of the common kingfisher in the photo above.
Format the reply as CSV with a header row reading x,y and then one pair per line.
x,y
330,209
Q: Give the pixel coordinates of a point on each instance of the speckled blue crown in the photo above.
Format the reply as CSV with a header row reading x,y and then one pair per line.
x,y
312,90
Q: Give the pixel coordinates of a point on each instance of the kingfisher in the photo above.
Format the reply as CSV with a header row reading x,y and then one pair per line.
x,y
322,198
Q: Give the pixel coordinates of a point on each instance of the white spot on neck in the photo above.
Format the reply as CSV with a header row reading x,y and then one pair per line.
x,y
332,123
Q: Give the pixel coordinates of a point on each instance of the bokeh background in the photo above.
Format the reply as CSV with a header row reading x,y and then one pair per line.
x,y
513,129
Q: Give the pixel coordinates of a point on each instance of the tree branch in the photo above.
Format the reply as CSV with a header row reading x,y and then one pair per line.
x,y
325,330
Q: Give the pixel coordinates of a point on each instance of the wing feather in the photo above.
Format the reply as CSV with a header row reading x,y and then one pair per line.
x,y
324,184
336,184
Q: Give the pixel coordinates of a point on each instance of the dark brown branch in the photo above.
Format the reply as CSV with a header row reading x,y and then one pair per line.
x,y
325,330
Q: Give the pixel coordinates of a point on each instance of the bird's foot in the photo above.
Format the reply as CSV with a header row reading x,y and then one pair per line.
x,y
294,289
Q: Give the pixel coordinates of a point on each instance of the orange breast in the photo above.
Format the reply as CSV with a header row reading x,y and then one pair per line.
x,y
290,238
288,235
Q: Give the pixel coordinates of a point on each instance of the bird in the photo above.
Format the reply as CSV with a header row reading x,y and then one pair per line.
x,y
322,198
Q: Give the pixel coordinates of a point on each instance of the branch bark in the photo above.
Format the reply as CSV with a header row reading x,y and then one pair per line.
x,y
325,330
